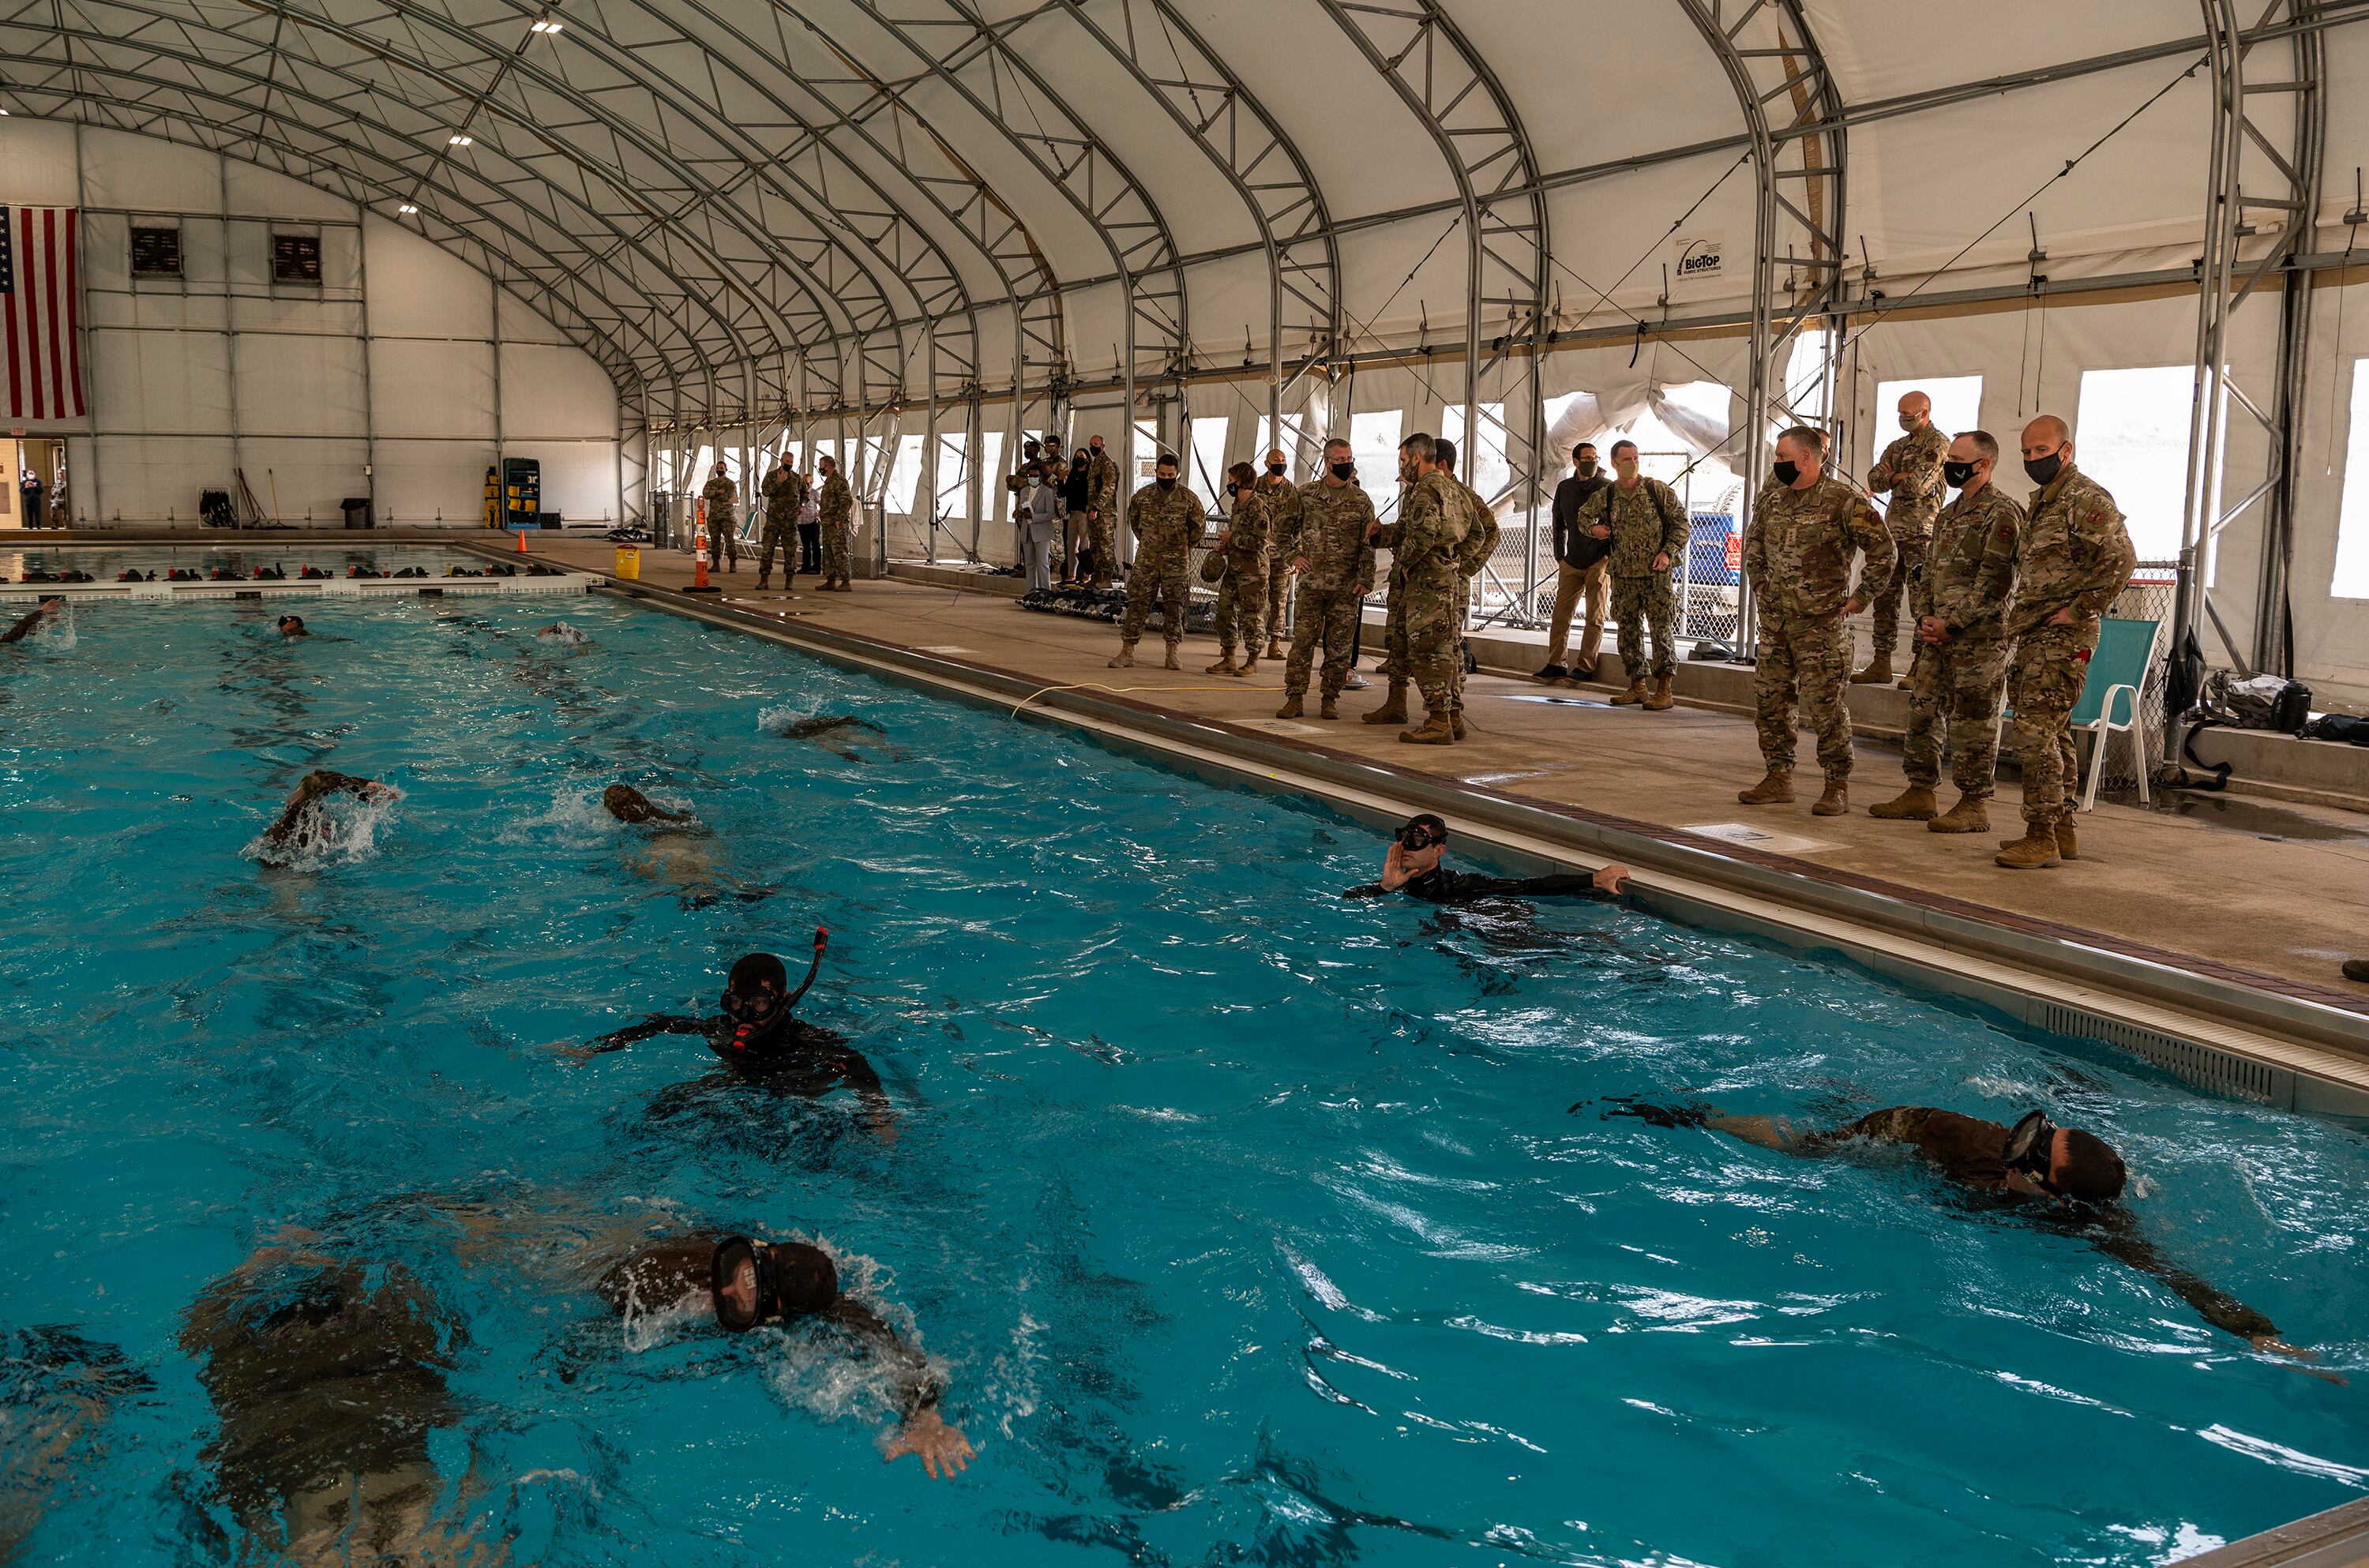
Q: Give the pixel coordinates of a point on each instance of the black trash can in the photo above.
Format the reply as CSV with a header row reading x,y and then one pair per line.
x,y
358,511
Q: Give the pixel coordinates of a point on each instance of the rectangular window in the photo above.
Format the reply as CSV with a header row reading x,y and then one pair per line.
x,y
295,258
953,485
2352,579
1208,479
905,477
2130,435
1374,443
1487,470
1147,452
156,251
991,493
1300,450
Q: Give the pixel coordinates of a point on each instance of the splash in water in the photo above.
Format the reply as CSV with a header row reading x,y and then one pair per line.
x,y
334,830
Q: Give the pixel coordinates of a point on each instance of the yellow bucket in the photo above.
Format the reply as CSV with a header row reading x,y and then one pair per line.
x,y
629,563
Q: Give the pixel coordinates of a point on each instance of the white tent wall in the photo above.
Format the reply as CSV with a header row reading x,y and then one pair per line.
x,y
390,360
2331,653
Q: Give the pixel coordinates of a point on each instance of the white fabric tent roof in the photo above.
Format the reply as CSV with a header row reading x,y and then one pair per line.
x,y
688,186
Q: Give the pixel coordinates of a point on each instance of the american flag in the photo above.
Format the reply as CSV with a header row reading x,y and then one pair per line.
x,y
40,303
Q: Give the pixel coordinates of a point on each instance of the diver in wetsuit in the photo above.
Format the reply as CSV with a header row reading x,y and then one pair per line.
x,y
747,1282
293,626
627,804
34,619
328,1376
2063,1178
1412,868
759,1031
675,850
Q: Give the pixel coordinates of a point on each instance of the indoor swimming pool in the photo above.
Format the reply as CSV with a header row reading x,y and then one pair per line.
x,y
1244,1223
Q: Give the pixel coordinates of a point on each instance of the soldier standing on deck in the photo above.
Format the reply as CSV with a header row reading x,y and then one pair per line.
x,y
838,508
784,495
1806,525
1102,511
1282,498
1335,563
723,528
1242,595
1167,524
1969,582
1433,521
1646,525
1471,559
1910,469
2076,557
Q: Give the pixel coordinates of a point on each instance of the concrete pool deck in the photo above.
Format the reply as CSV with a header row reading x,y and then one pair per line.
x,y
2279,890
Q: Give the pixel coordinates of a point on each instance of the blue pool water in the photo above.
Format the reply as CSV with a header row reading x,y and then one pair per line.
x,y
104,561
1248,1224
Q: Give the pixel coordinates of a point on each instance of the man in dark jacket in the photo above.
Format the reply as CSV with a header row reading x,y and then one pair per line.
x,y
1579,571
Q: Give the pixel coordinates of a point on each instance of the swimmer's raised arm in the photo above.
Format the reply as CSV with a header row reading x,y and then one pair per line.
x,y
943,1449
318,784
31,622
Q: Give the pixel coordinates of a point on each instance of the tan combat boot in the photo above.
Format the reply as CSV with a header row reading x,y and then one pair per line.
x,y
1877,673
761,582
1173,662
1836,801
1915,804
1331,707
1225,665
1124,659
2036,849
1971,815
2068,847
1632,697
1435,730
1291,705
1393,710
1247,668
1274,648
1456,722
1662,701
1777,789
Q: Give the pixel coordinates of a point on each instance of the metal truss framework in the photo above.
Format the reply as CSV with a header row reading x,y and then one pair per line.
x,y
2262,179
1443,80
745,241
1793,116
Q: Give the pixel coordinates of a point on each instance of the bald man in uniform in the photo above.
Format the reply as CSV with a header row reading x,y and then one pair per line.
x,y
1910,469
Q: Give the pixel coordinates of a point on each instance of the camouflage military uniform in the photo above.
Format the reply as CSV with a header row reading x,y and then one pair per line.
x,y
1433,521
1167,525
1913,464
1282,498
1242,595
837,504
2077,556
1969,581
1102,528
723,527
784,495
1472,558
1333,520
1797,555
1646,522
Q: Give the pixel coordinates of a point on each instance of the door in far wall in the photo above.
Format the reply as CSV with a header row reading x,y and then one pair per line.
x,y
33,494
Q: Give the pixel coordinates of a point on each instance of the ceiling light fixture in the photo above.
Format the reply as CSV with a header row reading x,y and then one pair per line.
x,y
407,207
459,141
548,25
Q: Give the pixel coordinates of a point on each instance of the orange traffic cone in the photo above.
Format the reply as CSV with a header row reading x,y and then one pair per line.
x,y
522,539
699,583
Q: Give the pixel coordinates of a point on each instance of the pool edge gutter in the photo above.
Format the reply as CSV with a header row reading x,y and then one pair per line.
x,y
2337,1537
2251,1035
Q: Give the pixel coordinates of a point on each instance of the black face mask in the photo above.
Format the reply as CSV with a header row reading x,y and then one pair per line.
x,y
1786,471
2044,469
1587,468
1233,491
1343,470
1957,473
1166,481
1276,469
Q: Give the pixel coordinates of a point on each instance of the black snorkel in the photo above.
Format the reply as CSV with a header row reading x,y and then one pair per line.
x,y
759,1012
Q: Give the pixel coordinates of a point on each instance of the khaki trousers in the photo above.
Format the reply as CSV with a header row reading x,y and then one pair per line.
x,y
1571,584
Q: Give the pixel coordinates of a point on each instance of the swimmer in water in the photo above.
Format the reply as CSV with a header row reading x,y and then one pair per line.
x,y
1412,868
759,1032
41,615
747,1282
675,850
561,632
302,826
2063,1178
328,1376
58,1394
833,733
293,626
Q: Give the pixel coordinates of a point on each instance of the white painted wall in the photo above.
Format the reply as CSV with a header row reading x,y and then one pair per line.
x,y
403,359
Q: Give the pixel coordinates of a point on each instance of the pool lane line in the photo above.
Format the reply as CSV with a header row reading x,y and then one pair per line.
x,y
2217,1026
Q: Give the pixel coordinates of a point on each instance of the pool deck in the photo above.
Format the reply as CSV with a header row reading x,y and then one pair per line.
x,y
2282,891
